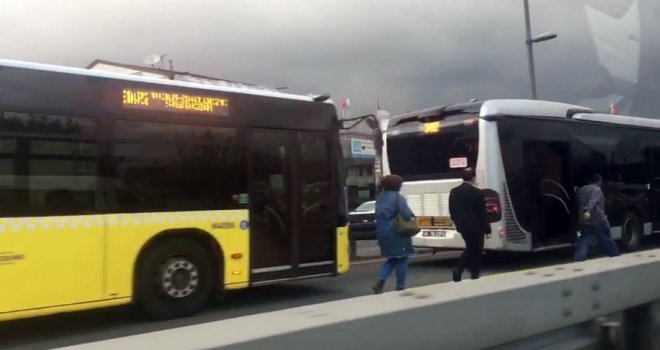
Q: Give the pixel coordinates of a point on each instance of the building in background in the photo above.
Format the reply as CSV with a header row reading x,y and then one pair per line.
x,y
130,69
359,161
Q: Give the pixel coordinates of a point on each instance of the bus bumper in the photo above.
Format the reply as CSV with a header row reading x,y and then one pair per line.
x,y
343,260
449,239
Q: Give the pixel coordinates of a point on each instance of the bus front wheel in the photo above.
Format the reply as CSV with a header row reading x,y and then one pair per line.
x,y
174,279
631,232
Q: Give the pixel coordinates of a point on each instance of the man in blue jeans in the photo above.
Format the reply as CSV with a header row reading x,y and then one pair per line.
x,y
593,220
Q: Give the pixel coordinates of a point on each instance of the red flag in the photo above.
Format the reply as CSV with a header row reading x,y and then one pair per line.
x,y
613,108
343,102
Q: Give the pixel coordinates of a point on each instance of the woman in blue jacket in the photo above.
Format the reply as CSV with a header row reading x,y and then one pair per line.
x,y
394,247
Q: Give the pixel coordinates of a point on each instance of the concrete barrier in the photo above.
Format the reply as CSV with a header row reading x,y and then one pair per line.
x,y
552,306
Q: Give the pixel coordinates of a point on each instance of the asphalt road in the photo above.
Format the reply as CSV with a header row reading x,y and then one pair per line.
x,y
83,327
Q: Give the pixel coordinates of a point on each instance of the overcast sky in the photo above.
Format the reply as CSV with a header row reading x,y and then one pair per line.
x,y
410,54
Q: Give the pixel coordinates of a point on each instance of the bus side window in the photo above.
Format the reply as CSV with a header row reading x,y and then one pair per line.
x,y
50,164
178,167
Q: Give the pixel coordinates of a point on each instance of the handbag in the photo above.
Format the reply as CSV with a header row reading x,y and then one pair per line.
x,y
403,227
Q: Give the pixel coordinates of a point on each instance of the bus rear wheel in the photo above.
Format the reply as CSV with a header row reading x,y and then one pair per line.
x,y
174,279
631,232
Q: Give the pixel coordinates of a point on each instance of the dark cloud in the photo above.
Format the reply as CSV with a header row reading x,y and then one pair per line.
x,y
409,54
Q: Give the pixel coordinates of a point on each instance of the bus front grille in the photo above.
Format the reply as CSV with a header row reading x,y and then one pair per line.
x,y
429,204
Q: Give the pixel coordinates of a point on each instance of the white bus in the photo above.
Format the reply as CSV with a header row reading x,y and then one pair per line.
x,y
529,157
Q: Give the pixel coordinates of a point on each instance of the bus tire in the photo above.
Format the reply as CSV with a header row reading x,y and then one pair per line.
x,y
174,279
631,232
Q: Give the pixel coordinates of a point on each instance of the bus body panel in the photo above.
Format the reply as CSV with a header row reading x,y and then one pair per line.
x,y
617,152
17,315
90,93
535,155
429,199
87,259
50,261
490,176
437,191
75,247
129,233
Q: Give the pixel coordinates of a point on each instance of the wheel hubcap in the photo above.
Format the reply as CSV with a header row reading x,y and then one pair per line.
x,y
178,278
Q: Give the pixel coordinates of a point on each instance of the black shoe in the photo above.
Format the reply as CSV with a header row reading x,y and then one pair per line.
x,y
455,276
378,287
398,289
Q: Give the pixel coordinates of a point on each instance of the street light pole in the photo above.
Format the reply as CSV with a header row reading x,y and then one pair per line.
x,y
530,50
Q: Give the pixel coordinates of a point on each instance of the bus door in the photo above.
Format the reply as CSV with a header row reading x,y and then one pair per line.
x,y
292,216
551,192
654,155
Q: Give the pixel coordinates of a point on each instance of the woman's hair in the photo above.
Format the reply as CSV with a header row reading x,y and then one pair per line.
x,y
391,183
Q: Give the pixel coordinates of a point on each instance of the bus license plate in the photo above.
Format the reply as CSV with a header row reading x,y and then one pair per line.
x,y
438,234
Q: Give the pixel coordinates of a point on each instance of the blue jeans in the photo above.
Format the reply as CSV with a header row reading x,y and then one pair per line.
x,y
587,234
401,266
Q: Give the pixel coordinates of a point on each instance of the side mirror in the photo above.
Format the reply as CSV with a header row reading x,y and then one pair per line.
x,y
372,123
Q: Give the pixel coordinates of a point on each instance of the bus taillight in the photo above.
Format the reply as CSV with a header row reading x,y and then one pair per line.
x,y
493,205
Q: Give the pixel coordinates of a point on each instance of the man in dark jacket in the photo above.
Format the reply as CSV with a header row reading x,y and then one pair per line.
x,y
593,220
467,207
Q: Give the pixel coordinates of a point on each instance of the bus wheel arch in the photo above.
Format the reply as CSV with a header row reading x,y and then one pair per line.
x,y
190,257
631,231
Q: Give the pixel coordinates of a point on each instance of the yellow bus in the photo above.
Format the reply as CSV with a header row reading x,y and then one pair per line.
x,y
118,189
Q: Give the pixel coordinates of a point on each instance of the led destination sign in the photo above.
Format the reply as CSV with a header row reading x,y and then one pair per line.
x,y
172,102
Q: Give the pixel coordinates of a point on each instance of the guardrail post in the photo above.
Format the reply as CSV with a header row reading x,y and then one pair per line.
x,y
641,325
610,335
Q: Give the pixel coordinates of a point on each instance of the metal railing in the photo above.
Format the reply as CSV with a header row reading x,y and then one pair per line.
x,y
602,303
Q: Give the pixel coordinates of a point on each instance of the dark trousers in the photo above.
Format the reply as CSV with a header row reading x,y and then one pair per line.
x,y
474,246
353,248
588,234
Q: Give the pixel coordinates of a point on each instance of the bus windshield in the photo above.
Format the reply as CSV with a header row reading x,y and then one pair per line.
x,y
436,155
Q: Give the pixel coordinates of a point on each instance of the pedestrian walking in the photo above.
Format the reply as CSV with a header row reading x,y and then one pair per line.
x,y
467,208
395,226
593,222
